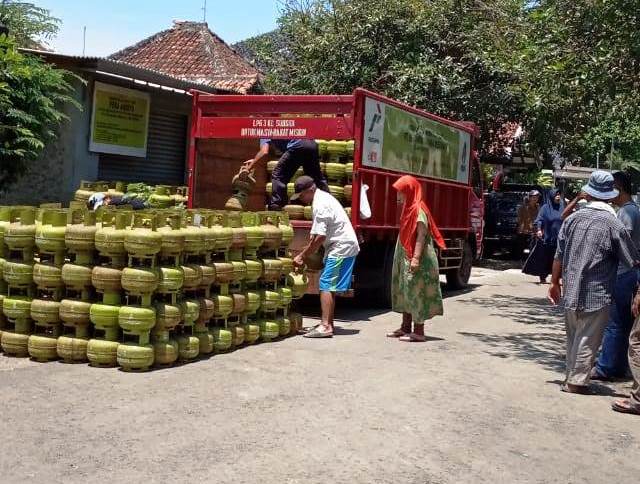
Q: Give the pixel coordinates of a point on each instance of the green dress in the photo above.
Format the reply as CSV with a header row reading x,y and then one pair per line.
x,y
417,294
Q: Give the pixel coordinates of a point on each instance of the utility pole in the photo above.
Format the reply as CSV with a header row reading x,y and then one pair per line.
x,y
597,161
611,155
204,12
84,39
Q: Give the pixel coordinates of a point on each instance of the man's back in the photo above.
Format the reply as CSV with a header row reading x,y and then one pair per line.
x,y
591,243
331,220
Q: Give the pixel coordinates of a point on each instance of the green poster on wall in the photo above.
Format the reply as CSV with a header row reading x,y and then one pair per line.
x,y
119,121
399,140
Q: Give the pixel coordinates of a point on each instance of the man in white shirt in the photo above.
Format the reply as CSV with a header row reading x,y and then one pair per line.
x,y
332,229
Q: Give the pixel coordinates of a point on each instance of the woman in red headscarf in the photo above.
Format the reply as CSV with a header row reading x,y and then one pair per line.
x,y
415,285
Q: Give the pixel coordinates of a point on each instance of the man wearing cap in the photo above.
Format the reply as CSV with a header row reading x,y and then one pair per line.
x,y
296,153
591,244
332,229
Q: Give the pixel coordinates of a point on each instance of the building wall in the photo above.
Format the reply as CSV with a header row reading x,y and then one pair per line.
x,y
52,177
66,160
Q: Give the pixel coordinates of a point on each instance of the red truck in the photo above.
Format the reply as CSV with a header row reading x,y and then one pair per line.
x,y
391,139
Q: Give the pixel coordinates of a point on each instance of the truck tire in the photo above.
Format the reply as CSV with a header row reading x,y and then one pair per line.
x,y
385,290
459,278
488,250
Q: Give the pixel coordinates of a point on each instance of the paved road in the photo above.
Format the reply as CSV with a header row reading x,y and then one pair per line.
x,y
478,403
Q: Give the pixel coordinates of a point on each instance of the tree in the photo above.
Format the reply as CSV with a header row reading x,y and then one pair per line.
x,y
428,54
578,70
29,25
32,93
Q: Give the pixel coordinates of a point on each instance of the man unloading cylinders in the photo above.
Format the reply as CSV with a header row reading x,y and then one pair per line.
x,y
332,229
295,153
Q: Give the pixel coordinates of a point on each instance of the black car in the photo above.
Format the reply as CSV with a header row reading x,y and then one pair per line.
x,y
501,218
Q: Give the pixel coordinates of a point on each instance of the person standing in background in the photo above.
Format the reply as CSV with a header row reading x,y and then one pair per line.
x,y
592,243
613,362
632,404
547,225
527,214
415,284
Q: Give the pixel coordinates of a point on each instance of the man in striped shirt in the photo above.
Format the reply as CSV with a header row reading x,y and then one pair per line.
x,y
591,244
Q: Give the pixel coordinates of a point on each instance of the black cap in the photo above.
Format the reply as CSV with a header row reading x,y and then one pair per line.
x,y
302,183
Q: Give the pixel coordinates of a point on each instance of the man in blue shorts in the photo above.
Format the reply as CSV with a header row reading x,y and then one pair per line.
x,y
332,229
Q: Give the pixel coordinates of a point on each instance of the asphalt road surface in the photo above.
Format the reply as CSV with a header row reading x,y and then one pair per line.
x,y
479,402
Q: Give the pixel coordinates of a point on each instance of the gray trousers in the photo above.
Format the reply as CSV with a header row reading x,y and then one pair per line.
x,y
584,336
634,363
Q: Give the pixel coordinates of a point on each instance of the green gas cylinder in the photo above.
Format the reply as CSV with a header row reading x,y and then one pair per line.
x,y
143,240
50,234
270,224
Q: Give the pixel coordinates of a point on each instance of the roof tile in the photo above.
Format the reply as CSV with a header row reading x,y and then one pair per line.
x,y
190,51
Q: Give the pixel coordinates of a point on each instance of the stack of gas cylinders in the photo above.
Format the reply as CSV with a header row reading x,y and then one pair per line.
x,y
336,163
138,289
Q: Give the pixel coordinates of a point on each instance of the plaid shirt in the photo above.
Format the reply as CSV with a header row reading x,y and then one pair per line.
x,y
591,243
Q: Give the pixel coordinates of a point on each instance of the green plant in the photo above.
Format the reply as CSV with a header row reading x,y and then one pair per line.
x,y
29,24
32,96
429,54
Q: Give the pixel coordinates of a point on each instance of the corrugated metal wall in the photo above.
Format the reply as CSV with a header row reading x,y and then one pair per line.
x,y
166,154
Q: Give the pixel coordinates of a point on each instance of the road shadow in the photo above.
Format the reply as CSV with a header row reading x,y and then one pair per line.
x,y
338,331
499,264
545,348
599,390
347,309
447,293
524,310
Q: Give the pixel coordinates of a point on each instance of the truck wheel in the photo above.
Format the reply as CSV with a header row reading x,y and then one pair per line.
x,y
516,251
383,293
459,278
487,250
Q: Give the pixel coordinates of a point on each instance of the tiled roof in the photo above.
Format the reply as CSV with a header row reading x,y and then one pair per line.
x,y
190,51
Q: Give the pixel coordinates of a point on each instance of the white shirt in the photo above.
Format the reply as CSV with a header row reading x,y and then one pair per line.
x,y
330,220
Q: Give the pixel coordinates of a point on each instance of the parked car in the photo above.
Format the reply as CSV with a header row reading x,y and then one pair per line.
x,y
501,218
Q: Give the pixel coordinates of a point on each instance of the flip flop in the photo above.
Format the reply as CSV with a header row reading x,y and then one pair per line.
x,y
307,329
624,406
396,334
412,338
315,333
578,390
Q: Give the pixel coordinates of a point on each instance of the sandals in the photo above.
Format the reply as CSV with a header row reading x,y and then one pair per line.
x,y
318,333
413,338
396,334
577,389
624,406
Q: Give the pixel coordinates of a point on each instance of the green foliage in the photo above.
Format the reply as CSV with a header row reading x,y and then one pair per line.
x,y
259,50
427,54
568,70
578,68
27,23
32,94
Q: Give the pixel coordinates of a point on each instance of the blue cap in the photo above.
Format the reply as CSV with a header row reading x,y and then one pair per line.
x,y
601,186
